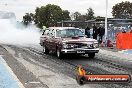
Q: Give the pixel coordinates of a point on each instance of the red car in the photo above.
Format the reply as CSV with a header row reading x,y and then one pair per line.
x,y
68,40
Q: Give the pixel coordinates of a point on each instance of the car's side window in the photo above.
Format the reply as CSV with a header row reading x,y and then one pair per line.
x,y
58,33
50,33
53,33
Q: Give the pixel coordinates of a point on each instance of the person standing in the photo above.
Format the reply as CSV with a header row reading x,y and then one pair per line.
x,y
95,32
87,32
101,33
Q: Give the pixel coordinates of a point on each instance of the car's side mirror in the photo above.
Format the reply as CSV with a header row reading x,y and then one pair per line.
x,y
47,34
53,36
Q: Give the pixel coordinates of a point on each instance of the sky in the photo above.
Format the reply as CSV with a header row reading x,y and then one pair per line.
x,y
20,7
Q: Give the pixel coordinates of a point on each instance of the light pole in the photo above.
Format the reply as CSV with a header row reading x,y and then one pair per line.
x,y
106,30
62,23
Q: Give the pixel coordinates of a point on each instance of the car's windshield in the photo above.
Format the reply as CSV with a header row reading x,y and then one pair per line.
x,y
69,33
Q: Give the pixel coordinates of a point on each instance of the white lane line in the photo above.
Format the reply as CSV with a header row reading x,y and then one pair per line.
x,y
33,82
12,73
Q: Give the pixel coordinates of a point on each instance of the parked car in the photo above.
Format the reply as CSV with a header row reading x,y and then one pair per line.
x,y
68,40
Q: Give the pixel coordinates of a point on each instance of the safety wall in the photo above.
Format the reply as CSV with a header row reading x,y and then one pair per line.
x,y
124,40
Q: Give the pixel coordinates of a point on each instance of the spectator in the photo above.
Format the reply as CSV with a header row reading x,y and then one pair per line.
x,y
101,33
87,32
95,32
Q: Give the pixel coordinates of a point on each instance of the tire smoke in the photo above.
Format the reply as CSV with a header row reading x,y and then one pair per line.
x,y
15,34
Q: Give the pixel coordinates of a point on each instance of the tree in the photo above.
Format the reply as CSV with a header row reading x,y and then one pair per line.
x,y
90,14
65,15
79,17
28,18
76,15
122,10
49,15
36,16
82,18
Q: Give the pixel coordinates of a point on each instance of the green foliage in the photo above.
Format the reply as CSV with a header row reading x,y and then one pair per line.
x,y
47,16
76,16
28,18
122,10
79,17
90,14
65,15
50,14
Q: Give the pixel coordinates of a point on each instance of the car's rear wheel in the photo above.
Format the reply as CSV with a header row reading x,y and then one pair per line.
x,y
91,55
45,50
59,53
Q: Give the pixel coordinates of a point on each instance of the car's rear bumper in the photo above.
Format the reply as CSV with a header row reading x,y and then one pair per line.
x,y
80,51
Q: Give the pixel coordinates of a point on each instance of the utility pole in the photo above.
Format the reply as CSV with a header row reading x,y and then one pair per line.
x,y
106,28
62,24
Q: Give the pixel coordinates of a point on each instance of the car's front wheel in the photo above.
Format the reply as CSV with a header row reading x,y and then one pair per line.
x,y
91,55
59,53
45,50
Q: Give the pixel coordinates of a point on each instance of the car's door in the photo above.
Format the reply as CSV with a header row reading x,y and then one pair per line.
x,y
48,39
44,37
52,40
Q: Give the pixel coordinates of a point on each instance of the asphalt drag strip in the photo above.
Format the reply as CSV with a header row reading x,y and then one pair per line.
x,y
42,72
7,78
25,78
63,70
101,64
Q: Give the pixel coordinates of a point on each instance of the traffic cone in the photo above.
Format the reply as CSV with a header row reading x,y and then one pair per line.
x,y
109,43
